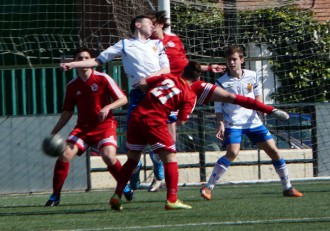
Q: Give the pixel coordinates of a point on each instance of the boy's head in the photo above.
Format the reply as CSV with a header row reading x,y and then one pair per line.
x,y
83,53
159,17
192,71
138,21
234,57
234,49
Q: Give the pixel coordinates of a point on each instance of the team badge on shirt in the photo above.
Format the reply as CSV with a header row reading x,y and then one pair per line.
x,y
171,44
155,49
249,87
94,87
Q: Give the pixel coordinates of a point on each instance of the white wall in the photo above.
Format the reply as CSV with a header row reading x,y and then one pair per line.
x,y
263,69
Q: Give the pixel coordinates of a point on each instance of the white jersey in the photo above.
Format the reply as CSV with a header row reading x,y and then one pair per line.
x,y
236,116
140,59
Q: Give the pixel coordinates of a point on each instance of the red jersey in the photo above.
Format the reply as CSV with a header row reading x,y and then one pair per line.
x,y
176,53
203,91
167,93
91,96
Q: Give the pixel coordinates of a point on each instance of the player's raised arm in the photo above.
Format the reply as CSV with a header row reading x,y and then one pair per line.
x,y
80,64
215,68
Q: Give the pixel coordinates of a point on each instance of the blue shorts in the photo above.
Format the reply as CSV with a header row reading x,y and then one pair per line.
x,y
256,135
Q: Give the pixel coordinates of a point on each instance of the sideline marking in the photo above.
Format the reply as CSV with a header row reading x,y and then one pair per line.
x,y
289,220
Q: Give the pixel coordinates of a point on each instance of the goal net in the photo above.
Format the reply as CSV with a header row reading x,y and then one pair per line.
x,y
40,32
283,42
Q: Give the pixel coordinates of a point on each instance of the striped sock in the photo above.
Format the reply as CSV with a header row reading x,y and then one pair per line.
x,y
283,173
220,168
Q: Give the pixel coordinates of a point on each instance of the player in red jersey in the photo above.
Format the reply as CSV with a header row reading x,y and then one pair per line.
x,y
95,95
148,125
174,48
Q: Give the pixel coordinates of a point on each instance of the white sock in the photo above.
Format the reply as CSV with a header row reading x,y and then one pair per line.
x,y
220,168
283,173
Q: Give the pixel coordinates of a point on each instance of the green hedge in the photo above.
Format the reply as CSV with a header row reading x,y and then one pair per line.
x,y
299,44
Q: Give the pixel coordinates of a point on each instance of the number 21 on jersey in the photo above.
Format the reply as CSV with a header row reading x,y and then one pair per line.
x,y
165,91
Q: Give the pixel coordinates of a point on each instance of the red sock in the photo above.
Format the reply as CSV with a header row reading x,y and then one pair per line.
x,y
115,169
124,175
61,171
253,104
172,180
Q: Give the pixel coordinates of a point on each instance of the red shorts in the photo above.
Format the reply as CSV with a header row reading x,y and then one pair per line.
x,y
101,135
142,131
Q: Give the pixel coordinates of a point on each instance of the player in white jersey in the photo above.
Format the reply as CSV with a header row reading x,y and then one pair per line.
x,y
234,121
141,56
236,116
134,54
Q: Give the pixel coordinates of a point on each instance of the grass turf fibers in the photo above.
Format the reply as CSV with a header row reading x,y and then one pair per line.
x,y
233,207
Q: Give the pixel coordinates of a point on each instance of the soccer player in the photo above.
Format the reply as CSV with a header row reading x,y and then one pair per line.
x,y
148,125
234,121
95,95
141,57
173,46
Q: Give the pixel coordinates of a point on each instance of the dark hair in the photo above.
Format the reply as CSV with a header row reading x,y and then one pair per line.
x,y
192,71
234,49
160,17
83,49
136,19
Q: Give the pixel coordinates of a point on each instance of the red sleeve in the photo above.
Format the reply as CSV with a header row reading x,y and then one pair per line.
x,y
203,91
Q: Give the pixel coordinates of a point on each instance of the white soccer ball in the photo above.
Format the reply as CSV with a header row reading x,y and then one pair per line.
x,y
53,145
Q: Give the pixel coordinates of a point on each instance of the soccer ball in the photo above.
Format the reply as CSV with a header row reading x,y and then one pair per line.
x,y
53,145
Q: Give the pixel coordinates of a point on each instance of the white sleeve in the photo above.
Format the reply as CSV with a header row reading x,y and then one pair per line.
x,y
111,53
163,59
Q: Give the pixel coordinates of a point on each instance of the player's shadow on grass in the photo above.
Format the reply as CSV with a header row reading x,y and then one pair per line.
x,y
48,212
62,205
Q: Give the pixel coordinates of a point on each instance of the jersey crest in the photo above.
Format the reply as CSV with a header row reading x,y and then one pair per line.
x,y
249,87
94,87
171,44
